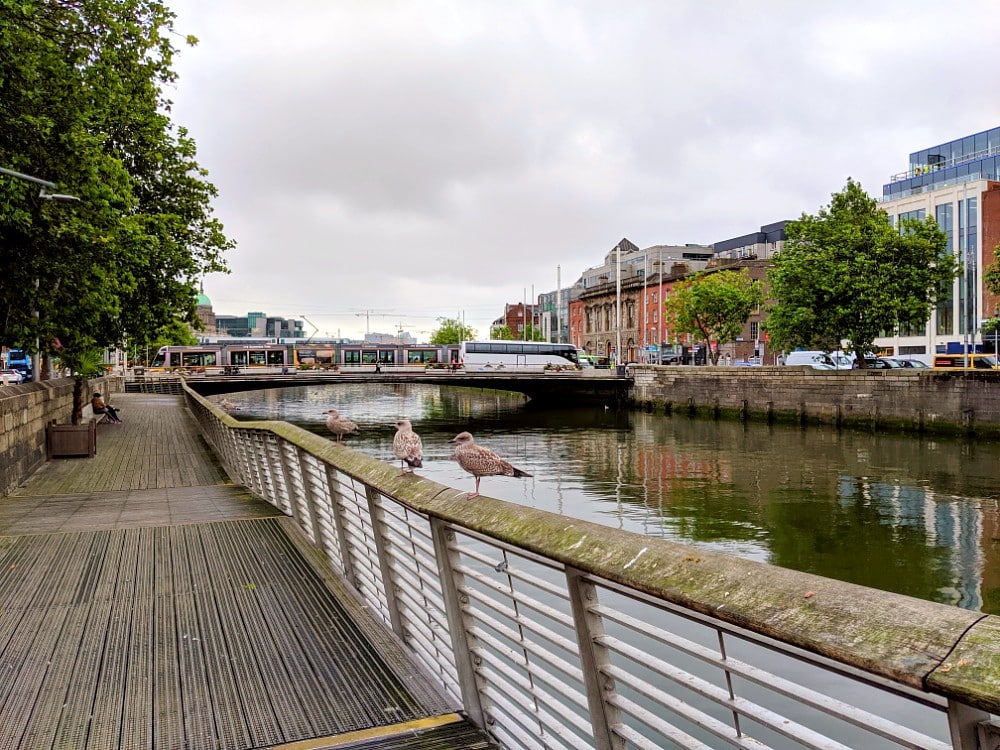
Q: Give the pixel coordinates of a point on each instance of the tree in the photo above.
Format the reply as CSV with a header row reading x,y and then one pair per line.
x,y
531,333
991,274
502,333
713,307
452,331
82,103
847,273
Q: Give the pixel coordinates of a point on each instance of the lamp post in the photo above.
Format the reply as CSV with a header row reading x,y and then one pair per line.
x,y
996,333
659,304
618,303
44,195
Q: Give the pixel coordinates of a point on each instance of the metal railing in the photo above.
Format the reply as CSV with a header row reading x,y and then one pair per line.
x,y
556,633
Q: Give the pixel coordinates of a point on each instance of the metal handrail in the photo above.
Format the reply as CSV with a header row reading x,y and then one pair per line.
x,y
953,161
560,633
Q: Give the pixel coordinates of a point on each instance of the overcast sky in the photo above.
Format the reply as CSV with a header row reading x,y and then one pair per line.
x,y
389,163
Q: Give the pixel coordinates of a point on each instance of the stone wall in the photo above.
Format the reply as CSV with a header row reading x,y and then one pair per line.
x,y
24,412
908,400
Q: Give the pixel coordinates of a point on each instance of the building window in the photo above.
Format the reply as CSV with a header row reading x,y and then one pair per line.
x,y
968,223
944,312
754,330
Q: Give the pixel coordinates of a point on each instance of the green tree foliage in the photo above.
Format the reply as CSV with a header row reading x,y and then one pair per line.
x,y
847,273
713,307
530,333
991,274
452,331
83,104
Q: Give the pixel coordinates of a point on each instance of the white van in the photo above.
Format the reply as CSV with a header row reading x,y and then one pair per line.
x,y
815,360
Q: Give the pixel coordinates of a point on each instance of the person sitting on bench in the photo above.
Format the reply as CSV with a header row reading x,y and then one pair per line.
x,y
99,406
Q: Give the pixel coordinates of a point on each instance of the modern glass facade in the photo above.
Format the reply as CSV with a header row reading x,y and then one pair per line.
x,y
974,157
950,182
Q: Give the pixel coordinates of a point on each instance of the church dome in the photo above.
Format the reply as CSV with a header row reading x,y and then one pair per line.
x,y
204,301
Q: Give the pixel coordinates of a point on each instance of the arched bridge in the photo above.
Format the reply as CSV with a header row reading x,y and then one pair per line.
x,y
553,388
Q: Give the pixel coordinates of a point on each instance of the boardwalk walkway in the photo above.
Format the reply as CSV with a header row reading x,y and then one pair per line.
x,y
146,602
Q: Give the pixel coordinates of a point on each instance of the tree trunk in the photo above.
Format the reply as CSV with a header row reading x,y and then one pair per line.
x,y
77,416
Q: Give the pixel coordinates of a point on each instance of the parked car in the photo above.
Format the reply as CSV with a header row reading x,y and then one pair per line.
x,y
815,360
913,364
10,377
882,363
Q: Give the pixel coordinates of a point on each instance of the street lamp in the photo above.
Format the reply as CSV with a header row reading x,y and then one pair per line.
x,y
618,304
996,333
45,195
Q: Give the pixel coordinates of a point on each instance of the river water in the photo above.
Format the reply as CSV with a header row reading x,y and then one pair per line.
x,y
917,516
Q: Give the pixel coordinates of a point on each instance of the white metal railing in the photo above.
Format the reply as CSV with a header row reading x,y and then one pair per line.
x,y
559,634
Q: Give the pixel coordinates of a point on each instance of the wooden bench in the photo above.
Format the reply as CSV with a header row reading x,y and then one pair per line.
x,y
88,415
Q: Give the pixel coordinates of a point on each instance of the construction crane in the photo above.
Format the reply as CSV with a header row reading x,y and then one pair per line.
x,y
315,329
367,315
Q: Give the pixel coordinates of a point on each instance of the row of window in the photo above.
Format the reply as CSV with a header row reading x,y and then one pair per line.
x,y
511,347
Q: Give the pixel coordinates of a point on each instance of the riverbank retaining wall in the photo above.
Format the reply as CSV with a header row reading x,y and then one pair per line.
x,y
906,400
24,412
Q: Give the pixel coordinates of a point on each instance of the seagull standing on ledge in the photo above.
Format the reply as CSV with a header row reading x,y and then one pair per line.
x,y
339,425
407,447
481,462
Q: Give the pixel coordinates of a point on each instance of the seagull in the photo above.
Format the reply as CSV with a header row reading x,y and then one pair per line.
x,y
228,405
481,462
406,446
339,425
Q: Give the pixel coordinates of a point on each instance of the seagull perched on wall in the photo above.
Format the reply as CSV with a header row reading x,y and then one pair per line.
x,y
339,425
407,447
481,462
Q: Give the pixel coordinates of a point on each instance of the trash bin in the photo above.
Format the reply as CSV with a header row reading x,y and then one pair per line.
x,y
620,370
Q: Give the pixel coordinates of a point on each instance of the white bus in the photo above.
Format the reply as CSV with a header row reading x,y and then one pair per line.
x,y
517,354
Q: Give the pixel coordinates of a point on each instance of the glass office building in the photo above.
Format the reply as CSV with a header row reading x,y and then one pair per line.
x,y
958,185
974,157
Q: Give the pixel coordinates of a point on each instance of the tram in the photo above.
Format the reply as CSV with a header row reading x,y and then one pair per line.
x,y
239,355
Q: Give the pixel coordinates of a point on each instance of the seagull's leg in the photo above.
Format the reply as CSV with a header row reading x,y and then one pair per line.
x,y
476,493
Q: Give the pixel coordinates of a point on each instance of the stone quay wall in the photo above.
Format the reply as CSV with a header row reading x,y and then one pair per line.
x,y
933,401
25,410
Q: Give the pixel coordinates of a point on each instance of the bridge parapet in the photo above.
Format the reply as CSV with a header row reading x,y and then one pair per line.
x,y
589,636
559,388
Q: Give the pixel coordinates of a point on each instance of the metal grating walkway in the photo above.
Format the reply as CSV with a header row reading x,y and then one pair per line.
x,y
214,635
146,603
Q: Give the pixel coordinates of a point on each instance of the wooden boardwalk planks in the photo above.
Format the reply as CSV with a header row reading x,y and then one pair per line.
x,y
145,602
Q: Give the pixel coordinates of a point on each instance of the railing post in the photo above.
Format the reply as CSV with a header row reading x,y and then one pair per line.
x,y
287,477
346,560
309,495
589,628
963,723
384,561
447,560
276,476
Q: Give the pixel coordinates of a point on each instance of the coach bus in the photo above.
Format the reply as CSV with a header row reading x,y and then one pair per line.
x,y
517,354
